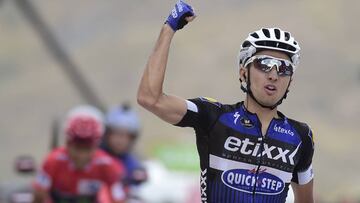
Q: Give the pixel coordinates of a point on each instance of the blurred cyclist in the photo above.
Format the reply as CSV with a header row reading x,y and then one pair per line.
x,y
79,171
122,132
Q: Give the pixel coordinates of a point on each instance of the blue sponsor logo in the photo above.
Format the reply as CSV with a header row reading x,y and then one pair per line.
x,y
245,181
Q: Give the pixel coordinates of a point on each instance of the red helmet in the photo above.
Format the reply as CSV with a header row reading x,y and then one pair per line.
x,y
84,125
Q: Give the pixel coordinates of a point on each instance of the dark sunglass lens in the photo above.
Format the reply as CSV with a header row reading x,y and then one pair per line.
x,y
285,69
257,63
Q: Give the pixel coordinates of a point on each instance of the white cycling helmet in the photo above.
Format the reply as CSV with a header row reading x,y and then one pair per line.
x,y
123,117
269,38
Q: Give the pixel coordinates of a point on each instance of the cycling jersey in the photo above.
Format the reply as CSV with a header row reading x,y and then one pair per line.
x,y
135,173
239,164
66,184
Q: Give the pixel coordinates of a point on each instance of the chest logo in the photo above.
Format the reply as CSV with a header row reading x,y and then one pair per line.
x,y
246,147
88,187
279,129
247,180
247,123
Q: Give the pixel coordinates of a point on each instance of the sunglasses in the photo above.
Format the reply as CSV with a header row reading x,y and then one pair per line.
x,y
266,63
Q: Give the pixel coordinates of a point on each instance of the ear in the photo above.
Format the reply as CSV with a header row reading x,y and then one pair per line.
x,y
243,74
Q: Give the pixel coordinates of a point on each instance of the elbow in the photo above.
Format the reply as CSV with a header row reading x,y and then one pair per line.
x,y
146,101
142,101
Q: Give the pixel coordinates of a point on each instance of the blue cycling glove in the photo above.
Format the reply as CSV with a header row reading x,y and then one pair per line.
x,y
176,19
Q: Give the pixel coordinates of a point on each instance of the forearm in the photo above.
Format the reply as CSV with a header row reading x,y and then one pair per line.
x,y
151,85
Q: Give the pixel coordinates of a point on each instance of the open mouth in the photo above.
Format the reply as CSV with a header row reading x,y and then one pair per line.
x,y
270,89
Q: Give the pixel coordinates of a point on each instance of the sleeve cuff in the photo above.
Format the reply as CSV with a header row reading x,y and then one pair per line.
x,y
306,176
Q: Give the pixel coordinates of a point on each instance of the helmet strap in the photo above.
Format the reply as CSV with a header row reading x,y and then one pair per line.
x,y
248,91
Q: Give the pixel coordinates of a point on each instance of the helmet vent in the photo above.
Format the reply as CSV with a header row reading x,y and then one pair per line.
x,y
266,32
277,33
280,45
125,106
295,42
254,34
246,44
287,36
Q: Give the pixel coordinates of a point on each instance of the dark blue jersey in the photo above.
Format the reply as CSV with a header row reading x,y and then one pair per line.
x,y
135,173
238,163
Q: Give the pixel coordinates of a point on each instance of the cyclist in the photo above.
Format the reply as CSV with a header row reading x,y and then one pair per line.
x,y
249,151
79,171
122,131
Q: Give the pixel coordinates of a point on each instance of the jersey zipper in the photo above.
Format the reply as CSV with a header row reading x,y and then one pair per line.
x,y
262,139
258,166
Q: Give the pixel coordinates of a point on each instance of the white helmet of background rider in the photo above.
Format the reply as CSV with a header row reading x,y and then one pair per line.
x,y
269,39
123,117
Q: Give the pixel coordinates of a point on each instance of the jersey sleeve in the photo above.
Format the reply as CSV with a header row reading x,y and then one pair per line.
x,y
201,113
303,172
44,177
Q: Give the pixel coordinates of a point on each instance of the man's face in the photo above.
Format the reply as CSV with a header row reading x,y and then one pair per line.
x,y
80,155
268,88
120,141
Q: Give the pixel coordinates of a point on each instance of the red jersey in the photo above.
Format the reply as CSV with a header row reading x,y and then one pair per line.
x,y
64,182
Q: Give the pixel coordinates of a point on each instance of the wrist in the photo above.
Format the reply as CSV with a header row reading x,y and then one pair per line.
x,y
168,30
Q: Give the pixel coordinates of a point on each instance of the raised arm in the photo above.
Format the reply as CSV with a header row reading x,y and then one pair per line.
x,y
150,93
